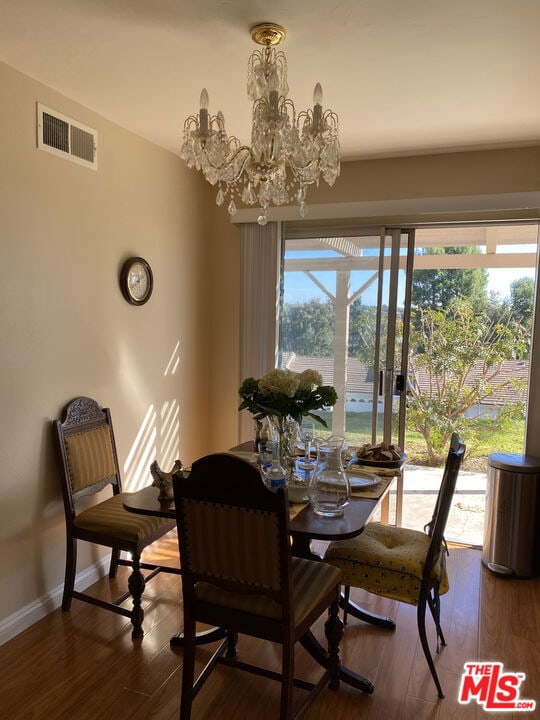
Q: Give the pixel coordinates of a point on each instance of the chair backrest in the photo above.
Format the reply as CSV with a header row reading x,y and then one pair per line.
x,y
87,450
436,527
233,531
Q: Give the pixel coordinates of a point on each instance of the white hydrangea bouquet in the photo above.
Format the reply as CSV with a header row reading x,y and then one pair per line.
x,y
285,397
283,393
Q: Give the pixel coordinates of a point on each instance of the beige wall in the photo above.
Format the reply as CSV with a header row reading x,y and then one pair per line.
x,y
464,186
444,175
164,368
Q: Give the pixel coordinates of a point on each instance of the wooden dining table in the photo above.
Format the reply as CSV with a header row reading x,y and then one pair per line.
x,y
305,527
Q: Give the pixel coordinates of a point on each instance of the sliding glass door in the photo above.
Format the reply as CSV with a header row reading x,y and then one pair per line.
x,y
344,312
446,342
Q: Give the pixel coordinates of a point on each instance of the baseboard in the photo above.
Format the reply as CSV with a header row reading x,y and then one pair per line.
x,y
25,617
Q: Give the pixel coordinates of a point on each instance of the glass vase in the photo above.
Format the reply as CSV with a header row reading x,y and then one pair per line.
x,y
285,431
329,487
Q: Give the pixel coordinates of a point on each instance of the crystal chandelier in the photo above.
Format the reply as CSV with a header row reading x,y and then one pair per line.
x,y
289,150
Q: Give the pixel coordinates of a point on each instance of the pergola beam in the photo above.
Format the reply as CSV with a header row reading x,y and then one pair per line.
x,y
421,262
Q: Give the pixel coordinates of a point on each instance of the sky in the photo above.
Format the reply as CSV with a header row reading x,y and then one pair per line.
x,y
501,279
300,289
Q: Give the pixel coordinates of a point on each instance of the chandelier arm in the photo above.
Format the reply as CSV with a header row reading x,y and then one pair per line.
x,y
297,171
331,115
230,162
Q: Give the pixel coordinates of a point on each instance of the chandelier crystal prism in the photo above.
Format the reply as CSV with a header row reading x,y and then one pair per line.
x,y
289,150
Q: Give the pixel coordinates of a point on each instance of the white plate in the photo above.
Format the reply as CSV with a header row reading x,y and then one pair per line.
x,y
360,479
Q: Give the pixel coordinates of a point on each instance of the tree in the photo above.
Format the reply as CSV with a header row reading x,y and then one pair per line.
x,y
522,301
439,288
308,328
520,306
457,366
362,330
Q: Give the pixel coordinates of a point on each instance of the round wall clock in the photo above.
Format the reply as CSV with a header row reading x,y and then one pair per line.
x,y
136,281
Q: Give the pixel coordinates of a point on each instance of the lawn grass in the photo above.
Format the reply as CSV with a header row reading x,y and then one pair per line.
x,y
488,437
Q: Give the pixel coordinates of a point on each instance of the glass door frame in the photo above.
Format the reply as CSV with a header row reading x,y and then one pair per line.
x,y
391,383
384,381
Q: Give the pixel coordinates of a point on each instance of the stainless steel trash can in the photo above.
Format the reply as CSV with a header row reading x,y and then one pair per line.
x,y
511,529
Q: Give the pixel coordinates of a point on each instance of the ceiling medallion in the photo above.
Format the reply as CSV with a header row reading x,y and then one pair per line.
x,y
289,151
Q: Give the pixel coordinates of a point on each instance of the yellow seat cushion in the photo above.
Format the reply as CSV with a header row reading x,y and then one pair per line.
x,y
387,560
310,580
110,518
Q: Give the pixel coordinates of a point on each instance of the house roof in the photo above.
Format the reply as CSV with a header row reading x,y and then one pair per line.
x,y
359,377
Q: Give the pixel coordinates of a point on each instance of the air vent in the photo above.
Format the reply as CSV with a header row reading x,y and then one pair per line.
x,y
65,137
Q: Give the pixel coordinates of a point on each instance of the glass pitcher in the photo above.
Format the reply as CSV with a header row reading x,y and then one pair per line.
x,y
329,487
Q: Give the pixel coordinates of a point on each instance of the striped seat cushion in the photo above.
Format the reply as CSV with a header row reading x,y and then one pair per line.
x,y
387,560
110,518
310,580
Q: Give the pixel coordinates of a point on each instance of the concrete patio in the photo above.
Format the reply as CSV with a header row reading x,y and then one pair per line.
x,y
421,485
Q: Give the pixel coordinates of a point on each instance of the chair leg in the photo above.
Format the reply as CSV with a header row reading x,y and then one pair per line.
x,y
333,630
346,597
115,556
188,670
232,639
435,607
287,679
136,584
421,616
71,567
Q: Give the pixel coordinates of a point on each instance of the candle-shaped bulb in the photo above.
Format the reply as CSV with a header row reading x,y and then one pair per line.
x,y
203,115
221,123
317,94
204,99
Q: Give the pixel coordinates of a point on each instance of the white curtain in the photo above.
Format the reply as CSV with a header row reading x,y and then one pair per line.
x,y
259,303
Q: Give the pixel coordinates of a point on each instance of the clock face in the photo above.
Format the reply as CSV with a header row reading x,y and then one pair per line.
x,y
136,281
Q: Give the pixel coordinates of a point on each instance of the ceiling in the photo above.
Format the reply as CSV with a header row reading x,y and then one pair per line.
x,y
404,76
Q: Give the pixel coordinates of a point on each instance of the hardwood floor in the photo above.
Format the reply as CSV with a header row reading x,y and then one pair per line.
x,y
83,665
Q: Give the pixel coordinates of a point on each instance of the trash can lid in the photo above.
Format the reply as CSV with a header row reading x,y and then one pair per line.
x,y
514,461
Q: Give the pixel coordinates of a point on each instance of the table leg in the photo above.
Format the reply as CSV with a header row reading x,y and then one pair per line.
x,y
367,617
301,547
317,651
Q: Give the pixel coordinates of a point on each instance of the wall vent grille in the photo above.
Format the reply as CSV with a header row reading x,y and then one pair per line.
x,y
65,137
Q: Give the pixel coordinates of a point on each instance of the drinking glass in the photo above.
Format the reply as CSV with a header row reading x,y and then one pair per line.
x,y
307,433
